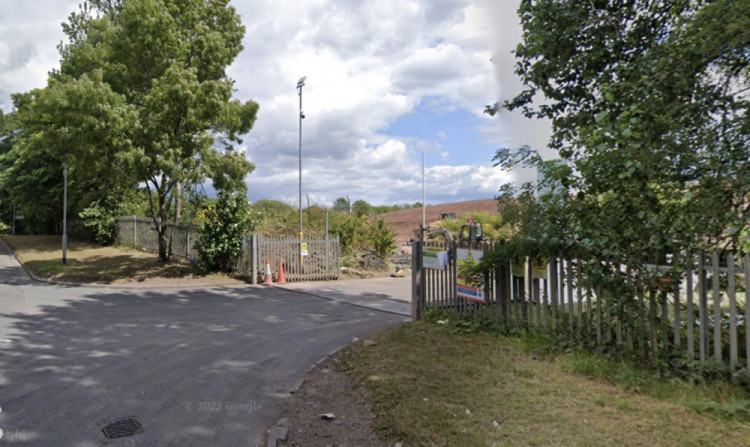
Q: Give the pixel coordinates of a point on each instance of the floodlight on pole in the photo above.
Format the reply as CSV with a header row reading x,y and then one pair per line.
x,y
300,84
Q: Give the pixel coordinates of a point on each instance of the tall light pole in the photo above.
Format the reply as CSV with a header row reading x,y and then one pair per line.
x,y
300,84
424,204
65,215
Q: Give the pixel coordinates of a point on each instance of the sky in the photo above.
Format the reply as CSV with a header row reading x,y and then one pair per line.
x,y
387,81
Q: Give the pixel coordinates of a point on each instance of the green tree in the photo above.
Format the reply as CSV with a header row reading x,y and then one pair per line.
x,y
648,103
342,205
167,60
361,208
7,131
82,124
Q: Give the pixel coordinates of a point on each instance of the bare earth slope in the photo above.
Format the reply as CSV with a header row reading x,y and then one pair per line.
x,y
406,222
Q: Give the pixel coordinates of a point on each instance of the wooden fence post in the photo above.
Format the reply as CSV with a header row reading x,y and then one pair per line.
x,y
554,291
529,292
417,291
703,307
568,277
717,305
676,323
746,266
690,307
733,357
632,309
579,296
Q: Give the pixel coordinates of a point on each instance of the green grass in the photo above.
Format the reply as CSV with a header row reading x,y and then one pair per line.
x,y
718,397
91,263
431,386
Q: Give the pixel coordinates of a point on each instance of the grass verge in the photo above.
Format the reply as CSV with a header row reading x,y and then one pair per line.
x,y
90,263
431,386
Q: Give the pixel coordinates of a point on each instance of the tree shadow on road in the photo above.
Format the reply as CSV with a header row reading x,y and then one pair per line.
x,y
196,367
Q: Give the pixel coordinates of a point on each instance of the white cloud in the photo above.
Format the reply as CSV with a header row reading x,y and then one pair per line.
x,y
512,129
367,64
29,33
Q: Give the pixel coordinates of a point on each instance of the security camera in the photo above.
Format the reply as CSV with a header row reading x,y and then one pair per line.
x,y
302,115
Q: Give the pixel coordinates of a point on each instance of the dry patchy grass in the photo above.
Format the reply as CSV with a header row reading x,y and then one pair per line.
x,y
432,387
90,263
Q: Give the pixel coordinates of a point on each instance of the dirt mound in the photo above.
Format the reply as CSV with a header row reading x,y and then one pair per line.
x,y
406,222
371,261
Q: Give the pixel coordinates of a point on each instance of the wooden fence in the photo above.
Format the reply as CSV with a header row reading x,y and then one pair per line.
x,y
699,310
321,261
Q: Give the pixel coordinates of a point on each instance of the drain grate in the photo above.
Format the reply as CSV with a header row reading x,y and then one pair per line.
x,y
122,428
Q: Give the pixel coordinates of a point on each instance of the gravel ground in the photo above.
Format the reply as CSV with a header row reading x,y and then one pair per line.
x,y
326,389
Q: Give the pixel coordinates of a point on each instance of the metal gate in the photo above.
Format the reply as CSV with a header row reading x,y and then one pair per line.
x,y
306,260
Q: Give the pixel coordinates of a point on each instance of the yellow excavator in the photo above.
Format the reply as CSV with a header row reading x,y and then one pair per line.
x,y
470,234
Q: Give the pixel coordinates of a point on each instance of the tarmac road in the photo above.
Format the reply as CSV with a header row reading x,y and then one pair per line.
x,y
195,367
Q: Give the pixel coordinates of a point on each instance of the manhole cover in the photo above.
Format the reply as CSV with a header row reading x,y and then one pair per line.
x,y
122,428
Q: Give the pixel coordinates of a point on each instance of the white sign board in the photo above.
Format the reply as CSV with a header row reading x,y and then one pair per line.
x,y
436,260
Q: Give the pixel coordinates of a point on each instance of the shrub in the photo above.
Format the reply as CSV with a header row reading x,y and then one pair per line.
x,y
381,237
348,228
363,233
100,222
225,223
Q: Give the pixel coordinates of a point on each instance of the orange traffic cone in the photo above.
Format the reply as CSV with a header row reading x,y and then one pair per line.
x,y
281,279
269,276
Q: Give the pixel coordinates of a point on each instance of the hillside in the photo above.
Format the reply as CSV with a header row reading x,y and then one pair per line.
x,y
406,222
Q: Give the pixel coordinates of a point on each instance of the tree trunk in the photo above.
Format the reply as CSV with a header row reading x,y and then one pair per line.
x,y
178,204
163,251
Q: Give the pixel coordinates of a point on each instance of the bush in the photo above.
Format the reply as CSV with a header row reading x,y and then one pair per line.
x,y
381,237
363,234
224,225
348,228
100,222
